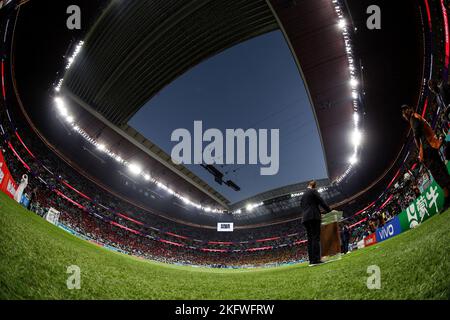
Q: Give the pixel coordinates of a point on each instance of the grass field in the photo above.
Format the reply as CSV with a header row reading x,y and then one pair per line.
x,y
34,256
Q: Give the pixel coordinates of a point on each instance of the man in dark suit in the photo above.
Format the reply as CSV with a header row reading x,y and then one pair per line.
x,y
345,238
310,203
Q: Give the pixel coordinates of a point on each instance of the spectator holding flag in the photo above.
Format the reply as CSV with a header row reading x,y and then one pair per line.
x,y
428,145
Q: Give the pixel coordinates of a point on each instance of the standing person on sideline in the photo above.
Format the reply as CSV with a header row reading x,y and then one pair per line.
x,y
312,220
345,238
441,90
428,145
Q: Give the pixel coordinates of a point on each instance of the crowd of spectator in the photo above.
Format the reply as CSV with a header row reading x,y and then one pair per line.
x,y
414,178
99,215
94,213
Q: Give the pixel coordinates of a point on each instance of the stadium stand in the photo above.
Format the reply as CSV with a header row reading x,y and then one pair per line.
x,y
93,213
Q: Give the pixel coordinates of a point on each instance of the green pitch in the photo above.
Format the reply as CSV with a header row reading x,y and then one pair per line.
x,y
34,257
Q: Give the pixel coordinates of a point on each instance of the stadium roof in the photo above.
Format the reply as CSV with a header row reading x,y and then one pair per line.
x,y
138,47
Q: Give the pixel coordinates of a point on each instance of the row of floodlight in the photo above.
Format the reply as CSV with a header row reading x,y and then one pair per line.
x,y
134,168
356,137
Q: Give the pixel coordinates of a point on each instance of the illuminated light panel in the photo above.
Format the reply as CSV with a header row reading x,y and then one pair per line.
x,y
354,83
18,156
101,147
358,223
356,138
129,219
72,58
3,80
26,148
134,169
447,40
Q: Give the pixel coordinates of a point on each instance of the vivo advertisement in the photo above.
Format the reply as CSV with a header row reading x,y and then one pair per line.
x,y
389,230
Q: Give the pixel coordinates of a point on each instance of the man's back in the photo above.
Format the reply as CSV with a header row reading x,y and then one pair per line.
x,y
310,203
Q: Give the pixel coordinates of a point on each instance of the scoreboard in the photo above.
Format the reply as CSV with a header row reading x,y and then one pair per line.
x,y
225,227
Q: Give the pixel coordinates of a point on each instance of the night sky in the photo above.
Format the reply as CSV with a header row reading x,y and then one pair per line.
x,y
255,84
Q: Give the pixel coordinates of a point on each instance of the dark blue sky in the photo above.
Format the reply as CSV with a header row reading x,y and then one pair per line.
x,y
255,84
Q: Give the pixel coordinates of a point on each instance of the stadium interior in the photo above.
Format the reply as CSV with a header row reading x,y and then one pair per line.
x,y
68,97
